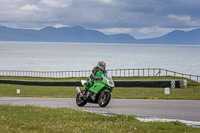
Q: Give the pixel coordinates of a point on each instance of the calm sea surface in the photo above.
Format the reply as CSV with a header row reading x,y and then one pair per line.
x,y
54,56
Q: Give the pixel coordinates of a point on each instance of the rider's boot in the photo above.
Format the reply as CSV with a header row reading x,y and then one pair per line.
x,y
84,91
86,88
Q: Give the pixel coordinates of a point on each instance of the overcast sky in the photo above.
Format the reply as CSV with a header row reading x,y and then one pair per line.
x,y
140,18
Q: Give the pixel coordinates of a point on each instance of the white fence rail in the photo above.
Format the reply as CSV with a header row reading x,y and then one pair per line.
x,y
140,72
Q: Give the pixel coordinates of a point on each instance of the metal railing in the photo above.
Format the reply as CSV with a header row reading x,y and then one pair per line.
x,y
140,72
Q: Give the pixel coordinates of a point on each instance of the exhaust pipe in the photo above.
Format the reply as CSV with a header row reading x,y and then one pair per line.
x,y
78,89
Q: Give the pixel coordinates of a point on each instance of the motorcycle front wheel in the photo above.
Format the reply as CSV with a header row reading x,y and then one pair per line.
x,y
80,101
105,99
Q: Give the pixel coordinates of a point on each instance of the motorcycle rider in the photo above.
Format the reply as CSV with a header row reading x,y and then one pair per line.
x,y
96,74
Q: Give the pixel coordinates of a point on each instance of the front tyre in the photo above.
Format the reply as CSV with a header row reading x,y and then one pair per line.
x,y
105,99
80,101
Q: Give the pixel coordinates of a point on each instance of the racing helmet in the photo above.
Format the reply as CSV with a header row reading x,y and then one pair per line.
x,y
101,65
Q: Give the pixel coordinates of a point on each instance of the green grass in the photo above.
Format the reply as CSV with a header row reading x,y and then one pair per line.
x,y
78,79
40,78
28,119
7,90
192,92
156,93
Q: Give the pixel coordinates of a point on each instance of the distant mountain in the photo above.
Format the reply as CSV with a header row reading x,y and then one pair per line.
x,y
64,34
175,37
79,34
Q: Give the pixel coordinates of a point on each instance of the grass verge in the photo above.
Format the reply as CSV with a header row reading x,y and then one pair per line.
x,y
191,93
40,78
84,78
28,119
118,92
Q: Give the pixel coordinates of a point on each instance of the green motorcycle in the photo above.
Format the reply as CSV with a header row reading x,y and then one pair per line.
x,y
99,93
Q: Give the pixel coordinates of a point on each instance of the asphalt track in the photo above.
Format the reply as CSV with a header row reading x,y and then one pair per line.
x,y
170,109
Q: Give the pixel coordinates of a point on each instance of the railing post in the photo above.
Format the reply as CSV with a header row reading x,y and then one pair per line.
x,y
143,72
159,71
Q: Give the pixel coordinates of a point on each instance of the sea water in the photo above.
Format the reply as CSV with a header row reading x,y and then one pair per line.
x,y
59,56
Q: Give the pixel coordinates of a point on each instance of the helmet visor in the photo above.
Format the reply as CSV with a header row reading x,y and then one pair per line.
x,y
103,66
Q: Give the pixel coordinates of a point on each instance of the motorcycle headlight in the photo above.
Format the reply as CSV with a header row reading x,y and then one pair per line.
x,y
110,83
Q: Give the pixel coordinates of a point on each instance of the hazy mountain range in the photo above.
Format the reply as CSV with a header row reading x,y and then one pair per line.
x,y
79,34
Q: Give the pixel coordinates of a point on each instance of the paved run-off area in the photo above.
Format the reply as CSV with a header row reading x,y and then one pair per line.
x,y
141,108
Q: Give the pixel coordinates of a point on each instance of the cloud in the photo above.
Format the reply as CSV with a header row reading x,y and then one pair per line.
x,y
29,7
138,33
181,18
59,25
184,19
56,3
115,30
110,16
141,33
107,1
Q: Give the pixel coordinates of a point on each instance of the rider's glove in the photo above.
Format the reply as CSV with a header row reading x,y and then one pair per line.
x,y
87,84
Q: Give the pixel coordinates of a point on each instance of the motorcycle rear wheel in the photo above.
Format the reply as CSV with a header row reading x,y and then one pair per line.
x,y
103,101
80,101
